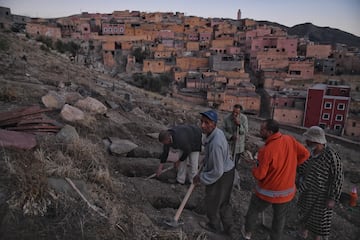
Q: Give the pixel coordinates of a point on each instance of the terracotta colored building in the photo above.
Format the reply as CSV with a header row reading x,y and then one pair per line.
x,y
250,101
191,63
273,78
318,51
288,106
269,59
37,29
155,66
301,68
352,127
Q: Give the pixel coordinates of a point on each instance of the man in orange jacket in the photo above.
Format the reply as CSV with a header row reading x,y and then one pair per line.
x,y
275,172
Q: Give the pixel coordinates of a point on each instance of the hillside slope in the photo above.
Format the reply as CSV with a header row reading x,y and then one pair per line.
x,y
36,199
322,35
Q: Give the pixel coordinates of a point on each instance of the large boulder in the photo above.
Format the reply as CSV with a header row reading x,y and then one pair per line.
x,y
120,146
53,100
91,105
72,114
67,134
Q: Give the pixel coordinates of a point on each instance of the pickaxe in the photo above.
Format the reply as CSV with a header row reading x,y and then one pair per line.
x,y
175,221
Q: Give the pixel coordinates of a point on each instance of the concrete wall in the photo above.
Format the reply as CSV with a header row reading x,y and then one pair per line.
x,y
43,30
154,66
289,116
191,63
352,127
318,51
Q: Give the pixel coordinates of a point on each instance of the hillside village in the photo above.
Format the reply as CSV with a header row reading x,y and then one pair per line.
x,y
217,62
86,137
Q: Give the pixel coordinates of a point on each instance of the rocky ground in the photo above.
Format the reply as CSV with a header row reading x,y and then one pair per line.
x,y
111,197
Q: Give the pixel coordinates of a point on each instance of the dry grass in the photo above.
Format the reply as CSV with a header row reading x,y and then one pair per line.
x,y
29,182
31,169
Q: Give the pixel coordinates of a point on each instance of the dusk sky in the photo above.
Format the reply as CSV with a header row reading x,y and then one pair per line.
x,y
341,14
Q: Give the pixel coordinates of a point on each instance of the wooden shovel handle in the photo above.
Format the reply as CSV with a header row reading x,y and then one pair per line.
x,y
164,170
184,201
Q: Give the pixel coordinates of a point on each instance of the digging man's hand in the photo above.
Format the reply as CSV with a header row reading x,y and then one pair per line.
x,y
159,170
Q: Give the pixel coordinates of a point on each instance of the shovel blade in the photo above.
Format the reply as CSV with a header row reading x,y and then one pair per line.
x,y
173,223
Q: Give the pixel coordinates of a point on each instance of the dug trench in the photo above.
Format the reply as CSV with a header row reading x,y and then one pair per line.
x,y
161,198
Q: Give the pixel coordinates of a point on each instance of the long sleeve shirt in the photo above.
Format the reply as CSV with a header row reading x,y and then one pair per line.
x,y
184,137
276,170
230,128
217,159
323,174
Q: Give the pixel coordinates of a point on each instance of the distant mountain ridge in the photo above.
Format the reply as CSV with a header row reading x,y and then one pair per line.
x,y
322,35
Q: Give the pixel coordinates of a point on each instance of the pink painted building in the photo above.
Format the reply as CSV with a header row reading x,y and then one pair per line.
x,y
40,29
327,106
301,68
166,34
318,51
205,36
252,34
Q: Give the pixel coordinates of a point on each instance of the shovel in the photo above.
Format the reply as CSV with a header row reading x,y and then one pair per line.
x,y
175,221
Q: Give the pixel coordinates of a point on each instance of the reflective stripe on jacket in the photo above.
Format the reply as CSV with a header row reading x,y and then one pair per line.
x,y
276,172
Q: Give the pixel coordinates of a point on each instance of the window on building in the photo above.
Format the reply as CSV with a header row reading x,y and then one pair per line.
x,y
327,105
354,124
326,116
339,117
322,125
341,106
337,127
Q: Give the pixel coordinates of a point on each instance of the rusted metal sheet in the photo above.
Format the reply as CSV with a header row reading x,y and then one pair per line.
x,y
33,127
14,116
18,140
29,119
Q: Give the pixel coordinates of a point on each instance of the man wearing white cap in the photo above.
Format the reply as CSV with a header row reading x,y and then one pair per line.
x,y
320,188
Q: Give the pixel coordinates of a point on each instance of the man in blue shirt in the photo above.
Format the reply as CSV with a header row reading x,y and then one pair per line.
x,y
217,175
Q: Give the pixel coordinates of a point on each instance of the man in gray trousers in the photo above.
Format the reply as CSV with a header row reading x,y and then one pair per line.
x,y
217,175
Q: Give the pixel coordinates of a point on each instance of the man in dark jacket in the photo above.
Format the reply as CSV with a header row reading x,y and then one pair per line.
x,y
186,139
